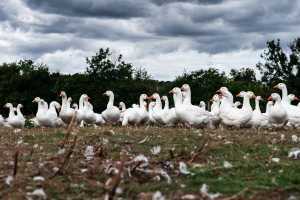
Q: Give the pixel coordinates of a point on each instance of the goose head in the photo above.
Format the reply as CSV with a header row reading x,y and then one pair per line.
x,y
280,86
251,95
151,105
237,104
241,94
108,93
164,98
19,106
121,105
155,96
63,94
70,100
274,97
224,92
215,98
36,99
202,104
8,105
259,98
185,87
75,106
55,104
143,97
175,90
292,97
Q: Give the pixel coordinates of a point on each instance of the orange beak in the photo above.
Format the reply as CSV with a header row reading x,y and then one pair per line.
x,y
270,98
238,95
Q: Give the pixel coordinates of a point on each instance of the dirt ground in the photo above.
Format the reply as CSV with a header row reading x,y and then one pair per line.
x,y
148,163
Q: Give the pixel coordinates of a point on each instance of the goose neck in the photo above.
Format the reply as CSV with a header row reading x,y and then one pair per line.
x,y
257,107
110,101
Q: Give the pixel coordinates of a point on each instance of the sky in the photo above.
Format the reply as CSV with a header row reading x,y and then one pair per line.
x,y
166,37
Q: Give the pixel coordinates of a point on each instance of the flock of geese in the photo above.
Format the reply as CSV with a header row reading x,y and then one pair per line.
x,y
223,112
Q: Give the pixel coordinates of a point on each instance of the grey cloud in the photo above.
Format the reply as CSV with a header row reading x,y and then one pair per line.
x,y
93,8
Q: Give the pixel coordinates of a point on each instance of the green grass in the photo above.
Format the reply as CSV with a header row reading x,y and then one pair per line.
x,y
254,175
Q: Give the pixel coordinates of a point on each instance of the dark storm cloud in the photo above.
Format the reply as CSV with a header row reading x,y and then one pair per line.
x,y
93,8
205,2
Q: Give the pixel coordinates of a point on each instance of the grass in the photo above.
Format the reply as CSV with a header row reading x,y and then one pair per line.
x,y
253,174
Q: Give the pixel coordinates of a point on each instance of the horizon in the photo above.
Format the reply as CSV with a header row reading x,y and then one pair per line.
x,y
164,37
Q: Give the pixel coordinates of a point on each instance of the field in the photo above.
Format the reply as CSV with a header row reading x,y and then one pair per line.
x,y
136,163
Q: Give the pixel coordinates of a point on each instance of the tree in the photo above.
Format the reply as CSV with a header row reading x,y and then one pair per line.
x,y
244,74
141,74
279,66
204,83
102,67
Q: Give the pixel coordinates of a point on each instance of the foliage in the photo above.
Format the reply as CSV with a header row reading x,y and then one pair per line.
x,y
21,81
281,66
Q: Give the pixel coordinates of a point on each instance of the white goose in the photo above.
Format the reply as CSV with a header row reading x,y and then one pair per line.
x,y
158,112
150,111
81,110
231,116
186,94
293,112
277,113
13,120
187,113
112,113
20,115
89,114
136,115
66,112
215,107
122,107
169,115
94,118
202,105
142,110
47,117
258,119
215,111
237,104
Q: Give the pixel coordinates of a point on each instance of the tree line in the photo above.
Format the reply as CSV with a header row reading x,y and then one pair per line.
x,y
23,80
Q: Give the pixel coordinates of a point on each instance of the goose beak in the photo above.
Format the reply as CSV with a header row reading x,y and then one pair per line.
x,y
270,98
150,98
238,95
296,99
276,86
253,97
171,92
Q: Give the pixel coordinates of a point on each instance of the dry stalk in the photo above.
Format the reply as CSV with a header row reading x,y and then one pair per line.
x,y
16,155
67,158
69,129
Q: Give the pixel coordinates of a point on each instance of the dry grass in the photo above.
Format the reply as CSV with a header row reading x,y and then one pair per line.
x,y
113,172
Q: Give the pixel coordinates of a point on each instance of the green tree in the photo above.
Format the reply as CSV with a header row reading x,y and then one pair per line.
x,y
102,67
244,74
280,66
